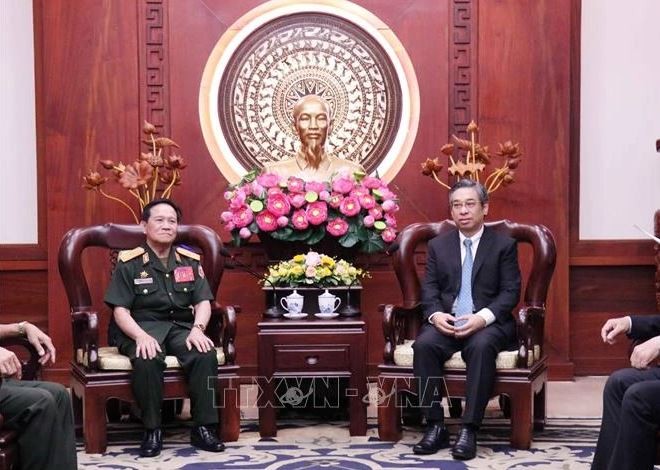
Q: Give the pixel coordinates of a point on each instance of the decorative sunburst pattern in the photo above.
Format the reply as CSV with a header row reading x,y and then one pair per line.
x,y
309,53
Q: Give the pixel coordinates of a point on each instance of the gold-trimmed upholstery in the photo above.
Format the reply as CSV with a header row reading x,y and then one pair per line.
x,y
403,356
111,359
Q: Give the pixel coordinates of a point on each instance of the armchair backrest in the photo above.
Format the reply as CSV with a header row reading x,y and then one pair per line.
x,y
538,236
123,237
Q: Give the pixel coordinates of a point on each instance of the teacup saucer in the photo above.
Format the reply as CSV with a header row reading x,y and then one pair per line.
x,y
326,316
295,316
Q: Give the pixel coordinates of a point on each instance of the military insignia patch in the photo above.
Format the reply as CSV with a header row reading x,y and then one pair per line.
x,y
184,274
200,271
144,274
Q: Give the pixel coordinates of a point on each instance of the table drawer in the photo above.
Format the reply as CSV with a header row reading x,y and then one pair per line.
x,y
311,358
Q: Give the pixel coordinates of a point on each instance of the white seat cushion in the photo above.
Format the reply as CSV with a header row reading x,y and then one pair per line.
x,y
111,359
403,356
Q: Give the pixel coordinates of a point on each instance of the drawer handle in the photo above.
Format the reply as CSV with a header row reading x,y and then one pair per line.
x,y
312,360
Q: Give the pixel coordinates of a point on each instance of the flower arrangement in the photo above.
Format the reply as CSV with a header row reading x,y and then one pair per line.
x,y
475,161
313,269
153,175
357,210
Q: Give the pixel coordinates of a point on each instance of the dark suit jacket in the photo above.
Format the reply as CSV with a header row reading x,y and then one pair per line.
x,y
495,276
644,327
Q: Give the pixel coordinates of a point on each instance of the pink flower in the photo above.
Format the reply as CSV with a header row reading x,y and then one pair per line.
x,y
278,204
390,220
335,200
350,206
297,200
315,186
243,216
282,221
388,235
376,212
275,190
324,196
227,216
390,206
257,189
367,201
238,200
337,227
343,185
267,221
368,221
244,233
268,180
317,212
359,191
310,271
312,258
386,194
230,226
299,220
295,185
228,195
371,182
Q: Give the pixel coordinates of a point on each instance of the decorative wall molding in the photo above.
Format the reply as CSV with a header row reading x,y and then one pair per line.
x,y
153,65
462,65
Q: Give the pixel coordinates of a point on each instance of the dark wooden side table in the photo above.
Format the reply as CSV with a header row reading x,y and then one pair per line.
x,y
312,348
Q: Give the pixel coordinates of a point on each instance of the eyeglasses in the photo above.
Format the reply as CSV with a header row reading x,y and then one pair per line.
x,y
469,205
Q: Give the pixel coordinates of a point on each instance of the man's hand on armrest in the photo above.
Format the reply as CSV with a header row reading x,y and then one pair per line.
x,y
645,353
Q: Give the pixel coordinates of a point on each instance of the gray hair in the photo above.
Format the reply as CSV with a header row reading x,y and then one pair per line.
x,y
468,183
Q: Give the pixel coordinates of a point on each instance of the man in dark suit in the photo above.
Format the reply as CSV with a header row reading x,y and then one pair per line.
x,y
631,399
472,283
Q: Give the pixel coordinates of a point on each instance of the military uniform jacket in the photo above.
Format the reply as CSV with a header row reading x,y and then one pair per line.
x,y
158,297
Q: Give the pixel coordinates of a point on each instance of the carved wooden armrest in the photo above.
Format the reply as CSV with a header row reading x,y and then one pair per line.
x,y
530,333
30,361
226,335
395,318
85,338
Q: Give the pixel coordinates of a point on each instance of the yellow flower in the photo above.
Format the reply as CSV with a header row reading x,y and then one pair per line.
x,y
327,261
297,270
299,259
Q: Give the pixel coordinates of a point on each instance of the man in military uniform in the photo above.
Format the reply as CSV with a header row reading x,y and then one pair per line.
x,y
39,411
160,300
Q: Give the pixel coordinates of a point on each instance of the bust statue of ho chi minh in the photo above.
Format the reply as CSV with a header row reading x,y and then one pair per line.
x,y
312,122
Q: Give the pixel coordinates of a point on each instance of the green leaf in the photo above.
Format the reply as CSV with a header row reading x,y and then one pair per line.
x,y
317,234
374,243
236,239
300,235
282,234
349,239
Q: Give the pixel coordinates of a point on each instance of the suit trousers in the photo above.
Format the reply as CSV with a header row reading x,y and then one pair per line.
x,y
479,351
201,370
631,418
41,413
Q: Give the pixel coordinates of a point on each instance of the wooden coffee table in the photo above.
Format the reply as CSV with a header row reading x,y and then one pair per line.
x,y
312,348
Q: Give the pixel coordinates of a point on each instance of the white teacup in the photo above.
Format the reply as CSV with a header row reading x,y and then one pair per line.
x,y
292,303
328,303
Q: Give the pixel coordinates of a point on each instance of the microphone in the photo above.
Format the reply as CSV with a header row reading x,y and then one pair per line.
x,y
349,310
271,312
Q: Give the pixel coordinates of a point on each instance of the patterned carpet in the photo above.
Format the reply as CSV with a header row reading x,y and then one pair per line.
x,y
564,444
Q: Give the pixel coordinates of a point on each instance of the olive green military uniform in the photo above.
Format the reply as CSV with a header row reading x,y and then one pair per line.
x,y
41,413
160,300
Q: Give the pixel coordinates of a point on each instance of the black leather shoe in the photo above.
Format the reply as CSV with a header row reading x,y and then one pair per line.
x,y
466,444
202,438
152,443
435,438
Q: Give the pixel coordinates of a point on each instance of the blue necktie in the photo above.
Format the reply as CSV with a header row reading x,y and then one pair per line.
x,y
464,300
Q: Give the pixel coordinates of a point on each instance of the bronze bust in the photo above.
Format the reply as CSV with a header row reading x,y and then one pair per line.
x,y
312,121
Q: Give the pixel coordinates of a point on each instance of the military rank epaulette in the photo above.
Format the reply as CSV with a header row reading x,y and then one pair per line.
x,y
188,253
127,255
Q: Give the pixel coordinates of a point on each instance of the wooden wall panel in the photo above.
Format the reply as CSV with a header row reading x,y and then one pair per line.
x,y
524,95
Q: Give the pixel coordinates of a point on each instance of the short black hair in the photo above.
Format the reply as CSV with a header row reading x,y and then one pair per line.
x,y
468,183
146,212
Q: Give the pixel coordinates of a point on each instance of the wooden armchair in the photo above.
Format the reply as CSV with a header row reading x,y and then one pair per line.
x,y
9,457
521,374
98,373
